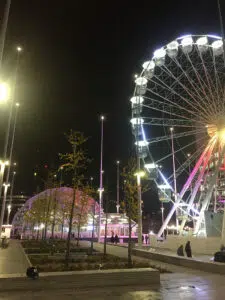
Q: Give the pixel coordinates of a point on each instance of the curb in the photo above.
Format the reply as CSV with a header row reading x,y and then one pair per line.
x,y
26,256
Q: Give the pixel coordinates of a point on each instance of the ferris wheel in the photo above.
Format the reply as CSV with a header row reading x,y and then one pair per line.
x,y
178,120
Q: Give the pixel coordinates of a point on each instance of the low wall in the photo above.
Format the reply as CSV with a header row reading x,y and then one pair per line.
x,y
211,267
199,245
101,278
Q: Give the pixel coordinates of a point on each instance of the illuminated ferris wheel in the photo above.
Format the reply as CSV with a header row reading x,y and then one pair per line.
x,y
178,119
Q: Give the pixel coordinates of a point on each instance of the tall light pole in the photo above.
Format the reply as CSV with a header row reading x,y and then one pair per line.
x,y
174,173
139,174
101,189
19,50
3,30
11,197
118,187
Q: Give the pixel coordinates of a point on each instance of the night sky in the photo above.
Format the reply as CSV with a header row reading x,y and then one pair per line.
x,y
79,60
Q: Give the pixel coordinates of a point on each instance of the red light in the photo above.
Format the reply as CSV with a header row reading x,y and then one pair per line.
x,y
46,166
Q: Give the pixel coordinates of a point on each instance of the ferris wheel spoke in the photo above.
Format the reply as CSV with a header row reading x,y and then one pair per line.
x,y
169,122
195,103
210,84
175,152
196,95
201,81
176,135
167,109
218,84
169,106
170,89
183,167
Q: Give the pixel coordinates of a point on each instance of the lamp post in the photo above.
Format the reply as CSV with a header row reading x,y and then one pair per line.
x,y
118,187
101,189
9,211
11,196
4,29
162,210
174,173
139,174
6,186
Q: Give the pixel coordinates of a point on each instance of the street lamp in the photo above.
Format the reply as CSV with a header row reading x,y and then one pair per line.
x,y
4,92
7,135
118,187
11,195
6,186
101,189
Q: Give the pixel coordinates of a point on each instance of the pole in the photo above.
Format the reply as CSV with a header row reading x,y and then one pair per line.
x,y
4,29
11,195
118,188
162,209
7,139
139,203
101,182
221,28
174,174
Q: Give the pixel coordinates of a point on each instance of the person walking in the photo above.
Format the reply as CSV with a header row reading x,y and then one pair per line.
x,y
188,249
116,239
112,240
180,251
146,239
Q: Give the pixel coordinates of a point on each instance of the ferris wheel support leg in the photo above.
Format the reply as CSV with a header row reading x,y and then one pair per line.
x,y
209,193
223,229
197,185
185,187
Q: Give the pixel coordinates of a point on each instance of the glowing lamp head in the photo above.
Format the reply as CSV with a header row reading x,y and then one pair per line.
x,y
102,118
140,173
19,49
118,162
4,92
17,104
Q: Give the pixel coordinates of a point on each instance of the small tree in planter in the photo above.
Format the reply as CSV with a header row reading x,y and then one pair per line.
x,y
82,209
75,162
130,202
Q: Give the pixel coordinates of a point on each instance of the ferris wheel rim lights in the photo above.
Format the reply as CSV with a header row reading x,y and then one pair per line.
x,y
137,121
202,41
137,100
217,44
148,65
141,81
159,53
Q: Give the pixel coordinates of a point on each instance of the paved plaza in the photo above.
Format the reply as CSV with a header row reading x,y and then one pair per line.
x,y
12,259
183,283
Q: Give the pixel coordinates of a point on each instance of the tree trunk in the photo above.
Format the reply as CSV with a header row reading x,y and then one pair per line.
x,y
78,233
53,222
70,228
47,216
129,245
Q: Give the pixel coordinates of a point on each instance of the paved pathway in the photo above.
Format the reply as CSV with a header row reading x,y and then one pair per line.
x,y
183,283
12,259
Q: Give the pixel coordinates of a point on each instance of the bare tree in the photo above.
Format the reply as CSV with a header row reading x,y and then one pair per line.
x,y
74,162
